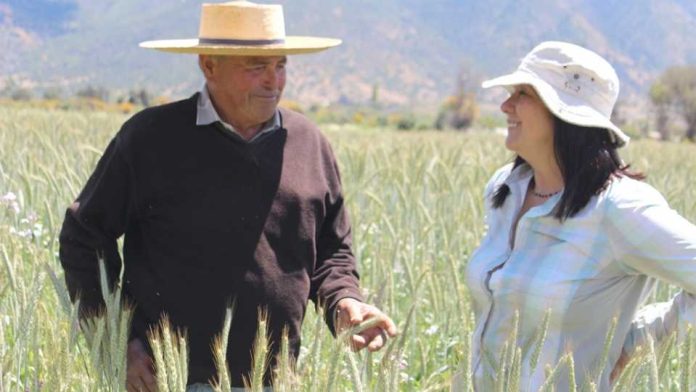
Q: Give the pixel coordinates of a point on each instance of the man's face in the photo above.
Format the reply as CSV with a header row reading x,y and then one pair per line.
x,y
245,89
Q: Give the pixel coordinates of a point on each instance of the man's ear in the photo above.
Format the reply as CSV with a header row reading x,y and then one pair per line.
x,y
207,65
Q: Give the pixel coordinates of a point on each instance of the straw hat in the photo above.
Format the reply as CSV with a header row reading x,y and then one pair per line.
x,y
576,84
243,28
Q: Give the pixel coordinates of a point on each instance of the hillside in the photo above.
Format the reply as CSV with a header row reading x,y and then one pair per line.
x,y
412,49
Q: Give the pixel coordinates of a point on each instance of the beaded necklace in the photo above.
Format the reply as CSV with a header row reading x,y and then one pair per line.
x,y
532,185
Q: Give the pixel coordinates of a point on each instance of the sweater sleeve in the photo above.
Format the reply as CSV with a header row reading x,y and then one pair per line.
x,y
92,225
649,238
335,276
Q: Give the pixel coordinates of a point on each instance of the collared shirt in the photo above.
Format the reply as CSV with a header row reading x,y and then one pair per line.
x,y
600,264
206,114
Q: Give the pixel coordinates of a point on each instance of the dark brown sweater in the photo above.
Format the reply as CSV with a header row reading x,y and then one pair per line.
x,y
209,219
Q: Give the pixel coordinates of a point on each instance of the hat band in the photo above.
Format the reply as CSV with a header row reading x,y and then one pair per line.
x,y
241,42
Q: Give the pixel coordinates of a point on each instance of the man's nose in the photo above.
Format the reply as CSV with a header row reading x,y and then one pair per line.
x,y
270,77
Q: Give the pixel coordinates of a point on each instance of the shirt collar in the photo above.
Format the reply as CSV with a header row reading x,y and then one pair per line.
x,y
206,115
519,176
518,181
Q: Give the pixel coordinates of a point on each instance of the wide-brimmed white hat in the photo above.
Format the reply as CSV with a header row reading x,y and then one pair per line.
x,y
243,28
576,84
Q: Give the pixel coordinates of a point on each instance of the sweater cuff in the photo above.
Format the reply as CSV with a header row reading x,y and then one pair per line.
x,y
330,311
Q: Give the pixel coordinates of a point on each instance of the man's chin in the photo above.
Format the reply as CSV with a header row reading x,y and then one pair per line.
x,y
266,115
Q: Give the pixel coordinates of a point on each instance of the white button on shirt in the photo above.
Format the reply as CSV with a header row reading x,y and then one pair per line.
x,y
600,264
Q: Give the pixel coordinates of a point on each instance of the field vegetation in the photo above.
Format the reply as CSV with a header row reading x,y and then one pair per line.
x,y
416,205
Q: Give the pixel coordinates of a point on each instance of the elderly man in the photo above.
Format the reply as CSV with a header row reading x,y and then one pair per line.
x,y
221,197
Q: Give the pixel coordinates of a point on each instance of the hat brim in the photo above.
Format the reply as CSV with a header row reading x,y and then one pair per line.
x,y
565,106
292,45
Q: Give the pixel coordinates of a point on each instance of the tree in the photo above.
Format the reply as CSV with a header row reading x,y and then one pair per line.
x,y
675,90
52,93
140,97
374,97
460,110
93,92
658,97
21,94
15,90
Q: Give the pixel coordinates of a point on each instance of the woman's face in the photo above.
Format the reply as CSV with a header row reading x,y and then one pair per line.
x,y
530,124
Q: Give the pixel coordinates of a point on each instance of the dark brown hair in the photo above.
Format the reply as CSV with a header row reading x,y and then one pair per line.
x,y
588,161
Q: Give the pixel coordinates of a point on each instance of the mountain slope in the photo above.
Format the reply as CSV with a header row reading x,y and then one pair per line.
x,y
412,49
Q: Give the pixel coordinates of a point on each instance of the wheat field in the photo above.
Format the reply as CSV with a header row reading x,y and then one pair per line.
x,y
416,205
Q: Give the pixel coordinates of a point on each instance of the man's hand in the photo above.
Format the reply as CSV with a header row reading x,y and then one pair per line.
x,y
619,367
140,374
351,312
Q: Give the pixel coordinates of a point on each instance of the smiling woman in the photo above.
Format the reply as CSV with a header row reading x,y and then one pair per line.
x,y
530,124
574,237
